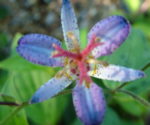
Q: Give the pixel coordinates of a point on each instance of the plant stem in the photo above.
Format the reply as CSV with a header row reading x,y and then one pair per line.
x,y
146,67
134,96
64,92
9,103
120,86
13,113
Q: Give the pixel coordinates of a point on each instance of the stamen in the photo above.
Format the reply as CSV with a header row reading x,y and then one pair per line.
x,y
94,70
54,53
83,73
63,73
61,52
78,62
87,85
97,39
57,47
94,61
93,44
71,36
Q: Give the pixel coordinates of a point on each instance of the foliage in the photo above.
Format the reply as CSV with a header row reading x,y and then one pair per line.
x,y
19,79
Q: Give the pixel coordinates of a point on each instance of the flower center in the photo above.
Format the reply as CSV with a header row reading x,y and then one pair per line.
x,y
78,61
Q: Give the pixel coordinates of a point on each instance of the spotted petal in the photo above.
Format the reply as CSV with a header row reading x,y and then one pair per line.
x,y
115,73
89,104
50,89
112,31
37,48
69,23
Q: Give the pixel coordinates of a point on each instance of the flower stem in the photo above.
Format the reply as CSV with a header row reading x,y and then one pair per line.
x,y
120,86
64,92
13,113
9,103
134,96
146,67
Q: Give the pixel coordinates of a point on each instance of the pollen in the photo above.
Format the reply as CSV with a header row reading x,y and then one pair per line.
x,y
54,53
94,61
71,35
97,39
75,42
94,70
77,61
63,73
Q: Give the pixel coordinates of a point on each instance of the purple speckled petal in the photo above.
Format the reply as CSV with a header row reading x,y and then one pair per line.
x,y
37,48
69,23
115,73
50,89
112,31
89,104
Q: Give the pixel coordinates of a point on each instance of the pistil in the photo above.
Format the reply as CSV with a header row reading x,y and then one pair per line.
x,y
95,42
61,52
80,59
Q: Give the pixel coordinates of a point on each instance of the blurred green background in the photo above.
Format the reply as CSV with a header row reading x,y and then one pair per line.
x,y
19,79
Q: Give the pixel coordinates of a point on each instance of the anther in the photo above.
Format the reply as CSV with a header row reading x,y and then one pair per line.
x,y
87,85
93,61
54,53
97,39
71,36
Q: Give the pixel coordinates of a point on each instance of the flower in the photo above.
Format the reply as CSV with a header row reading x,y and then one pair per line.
x,y
104,38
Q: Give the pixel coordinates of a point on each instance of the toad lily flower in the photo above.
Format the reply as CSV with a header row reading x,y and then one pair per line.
x,y
104,38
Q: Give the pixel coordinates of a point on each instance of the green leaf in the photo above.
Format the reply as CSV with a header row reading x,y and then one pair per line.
x,y
134,53
111,118
135,122
143,25
18,119
24,79
3,40
83,38
77,122
130,105
15,41
17,63
7,98
3,78
4,11
48,112
135,97
133,5
22,85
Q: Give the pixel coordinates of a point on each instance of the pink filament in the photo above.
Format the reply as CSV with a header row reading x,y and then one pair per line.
x,y
79,58
65,53
93,44
83,73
